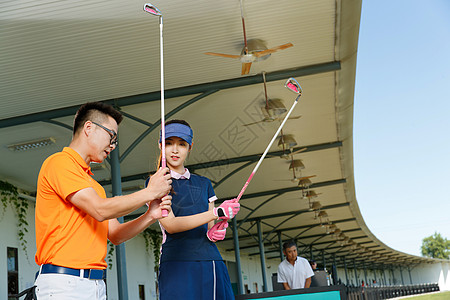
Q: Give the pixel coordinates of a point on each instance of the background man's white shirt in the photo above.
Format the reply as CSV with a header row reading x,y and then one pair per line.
x,y
295,275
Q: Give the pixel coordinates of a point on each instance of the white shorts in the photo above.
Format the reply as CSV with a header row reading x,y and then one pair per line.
x,y
69,287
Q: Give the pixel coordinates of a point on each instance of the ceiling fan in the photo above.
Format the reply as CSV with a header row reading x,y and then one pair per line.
x,y
254,50
273,109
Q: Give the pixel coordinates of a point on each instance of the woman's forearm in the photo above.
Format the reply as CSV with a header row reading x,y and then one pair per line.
x,y
180,224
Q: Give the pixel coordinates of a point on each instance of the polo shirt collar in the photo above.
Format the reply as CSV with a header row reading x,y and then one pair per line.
x,y
78,159
185,175
296,260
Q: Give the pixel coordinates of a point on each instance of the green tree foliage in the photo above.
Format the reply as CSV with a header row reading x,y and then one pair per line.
x,y
436,246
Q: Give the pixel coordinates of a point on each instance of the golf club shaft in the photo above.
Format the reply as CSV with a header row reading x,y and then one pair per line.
x,y
163,121
164,212
267,149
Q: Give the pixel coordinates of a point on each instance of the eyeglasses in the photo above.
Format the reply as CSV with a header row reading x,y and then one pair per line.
x,y
112,134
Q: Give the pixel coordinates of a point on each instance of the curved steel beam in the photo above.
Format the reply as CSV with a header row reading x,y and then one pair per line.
x,y
247,158
178,92
157,123
232,173
59,124
259,206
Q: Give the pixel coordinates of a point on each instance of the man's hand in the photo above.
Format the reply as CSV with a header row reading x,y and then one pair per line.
x,y
227,210
160,183
218,231
155,207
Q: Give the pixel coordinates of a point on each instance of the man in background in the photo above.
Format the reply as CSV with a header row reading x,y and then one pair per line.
x,y
294,272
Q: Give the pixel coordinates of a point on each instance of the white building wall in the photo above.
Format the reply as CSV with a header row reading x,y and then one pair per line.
x,y
9,238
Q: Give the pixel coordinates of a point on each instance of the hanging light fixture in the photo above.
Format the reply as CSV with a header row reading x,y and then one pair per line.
x,y
287,141
336,233
315,206
304,183
297,165
345,240
311,194
322,214
332,228
275,107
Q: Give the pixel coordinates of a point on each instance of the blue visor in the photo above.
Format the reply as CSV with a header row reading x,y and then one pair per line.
x,y
179,130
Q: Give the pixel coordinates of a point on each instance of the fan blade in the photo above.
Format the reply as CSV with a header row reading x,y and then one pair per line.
x,y
296,179
272,50
290,118
246,68
222,55
306,177
298,151
253,123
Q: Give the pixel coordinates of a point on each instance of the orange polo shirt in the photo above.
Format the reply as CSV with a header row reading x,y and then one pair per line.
x,y
65,235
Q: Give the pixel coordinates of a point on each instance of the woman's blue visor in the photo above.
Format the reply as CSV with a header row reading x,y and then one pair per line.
x,y
179,130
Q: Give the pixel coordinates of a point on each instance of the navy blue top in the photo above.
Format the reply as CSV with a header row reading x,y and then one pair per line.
x,y
191,196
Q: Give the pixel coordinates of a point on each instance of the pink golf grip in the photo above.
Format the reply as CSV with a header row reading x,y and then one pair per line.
x,y
164,212
222,225
245,187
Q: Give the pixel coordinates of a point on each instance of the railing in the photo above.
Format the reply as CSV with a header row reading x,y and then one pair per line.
x,y
387,292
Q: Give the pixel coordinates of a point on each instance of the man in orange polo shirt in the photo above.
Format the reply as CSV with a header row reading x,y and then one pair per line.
x,y
74,218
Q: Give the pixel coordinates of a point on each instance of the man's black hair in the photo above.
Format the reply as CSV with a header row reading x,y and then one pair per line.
x,y
289,244
97,112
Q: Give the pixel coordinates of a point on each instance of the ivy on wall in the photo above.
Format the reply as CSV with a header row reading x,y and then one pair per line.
x,y
9,195
153,239
108,259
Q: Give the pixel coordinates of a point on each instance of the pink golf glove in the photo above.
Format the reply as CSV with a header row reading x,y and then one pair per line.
x,y
218,231
227,210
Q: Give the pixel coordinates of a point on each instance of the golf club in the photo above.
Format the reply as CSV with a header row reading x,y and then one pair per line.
x,y
151,9
293,86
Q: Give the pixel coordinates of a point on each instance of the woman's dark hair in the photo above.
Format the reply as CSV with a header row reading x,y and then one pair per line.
x,y
97,112
178,121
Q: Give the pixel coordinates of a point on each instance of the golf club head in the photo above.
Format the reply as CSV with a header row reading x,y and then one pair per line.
x,y
293,86
148,7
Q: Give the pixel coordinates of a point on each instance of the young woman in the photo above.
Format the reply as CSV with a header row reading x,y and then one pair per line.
x,y
191,266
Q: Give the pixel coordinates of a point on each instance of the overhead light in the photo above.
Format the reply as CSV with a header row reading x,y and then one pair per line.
x,y
315,206
275,107
296,164
329,228
337,232
322,214
310,194
332,228
304,183
288,141
32,145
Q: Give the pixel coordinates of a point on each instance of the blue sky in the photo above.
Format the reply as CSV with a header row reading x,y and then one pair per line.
x,y
402,121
